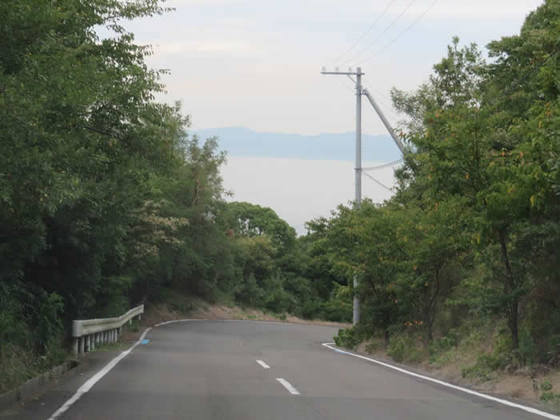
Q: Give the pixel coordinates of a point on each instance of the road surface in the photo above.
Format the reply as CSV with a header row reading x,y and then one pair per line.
x,y
257,370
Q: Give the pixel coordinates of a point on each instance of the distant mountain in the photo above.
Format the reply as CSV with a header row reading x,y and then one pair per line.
x,y
239,141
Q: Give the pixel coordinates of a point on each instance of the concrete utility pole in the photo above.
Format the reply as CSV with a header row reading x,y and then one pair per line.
x,y
358,165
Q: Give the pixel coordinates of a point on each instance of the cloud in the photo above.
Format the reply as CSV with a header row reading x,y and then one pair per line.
x,y
204,46
477,9
177,3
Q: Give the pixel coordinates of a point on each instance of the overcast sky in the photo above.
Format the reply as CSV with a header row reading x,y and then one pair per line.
x,y
256,63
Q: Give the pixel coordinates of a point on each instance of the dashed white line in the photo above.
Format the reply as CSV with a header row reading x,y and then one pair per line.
x,y
291,389
263,364
446,384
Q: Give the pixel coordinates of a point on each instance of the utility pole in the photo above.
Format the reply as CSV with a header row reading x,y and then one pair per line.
x,y
358,165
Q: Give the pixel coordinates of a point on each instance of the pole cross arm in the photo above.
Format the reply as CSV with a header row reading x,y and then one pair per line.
x,y
396,139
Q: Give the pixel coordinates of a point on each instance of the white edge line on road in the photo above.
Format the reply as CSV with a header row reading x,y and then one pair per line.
x,y
446,384
291,389
263,364
178,320
95,378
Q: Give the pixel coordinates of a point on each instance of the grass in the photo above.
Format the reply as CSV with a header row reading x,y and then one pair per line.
x,y
18,364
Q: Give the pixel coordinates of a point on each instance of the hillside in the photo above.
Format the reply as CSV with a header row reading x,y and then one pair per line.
x,y
240,141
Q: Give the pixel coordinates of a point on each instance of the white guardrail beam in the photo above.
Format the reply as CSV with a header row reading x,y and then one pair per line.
x,y
88,333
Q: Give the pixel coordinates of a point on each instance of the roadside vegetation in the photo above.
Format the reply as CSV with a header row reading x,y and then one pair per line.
x,y
465,256
106,201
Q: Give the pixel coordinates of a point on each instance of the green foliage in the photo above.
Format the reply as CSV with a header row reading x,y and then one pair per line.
x,y
104,198
484,368
48,320
473,231
20,343
405,348
338,307
348,338
106,201
277,299
443,344
546,386
252,220
275,271
550,397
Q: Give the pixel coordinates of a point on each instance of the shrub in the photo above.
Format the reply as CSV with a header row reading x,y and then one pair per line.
x,y
347,338
485,365
403,348
444,344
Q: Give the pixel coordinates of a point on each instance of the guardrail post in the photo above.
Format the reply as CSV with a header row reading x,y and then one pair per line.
x,y
91,333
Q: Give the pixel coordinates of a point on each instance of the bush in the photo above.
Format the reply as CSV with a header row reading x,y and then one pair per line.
x,y
311,309
31,334
527,351
48,322
277,299
404,348
348,338
485,366
374,345
444,344
250,294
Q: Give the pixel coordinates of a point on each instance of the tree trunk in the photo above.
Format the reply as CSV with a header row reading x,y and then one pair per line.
x,y
386,337
430,330
432,306
512,307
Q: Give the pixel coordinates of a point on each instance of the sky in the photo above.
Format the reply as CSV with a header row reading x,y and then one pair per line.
x,y
300,190
256,64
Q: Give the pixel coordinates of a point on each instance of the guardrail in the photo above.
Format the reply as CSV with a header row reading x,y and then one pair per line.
x,y
90,332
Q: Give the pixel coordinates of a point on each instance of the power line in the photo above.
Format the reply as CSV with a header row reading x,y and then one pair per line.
x,y
384,165
405,30
366,32
378,182
385,102
391,24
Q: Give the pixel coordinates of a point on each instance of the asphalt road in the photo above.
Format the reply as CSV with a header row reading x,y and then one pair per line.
x,y
257,370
